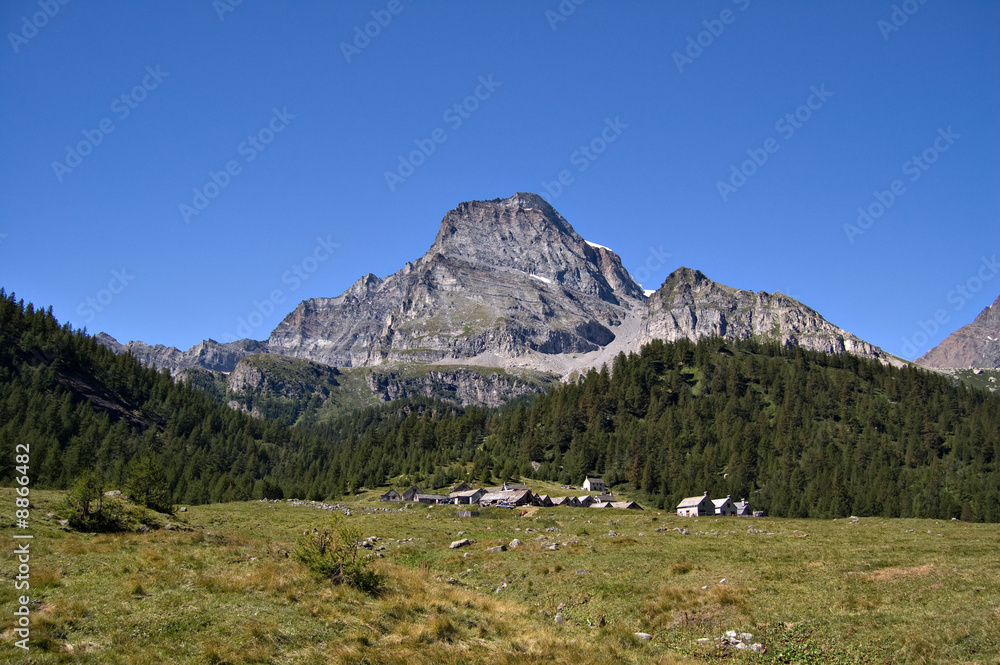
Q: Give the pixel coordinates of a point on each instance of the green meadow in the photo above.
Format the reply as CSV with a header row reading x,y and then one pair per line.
x,y
223,587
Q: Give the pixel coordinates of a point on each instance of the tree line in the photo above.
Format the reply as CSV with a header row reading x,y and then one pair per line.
x,y
798,433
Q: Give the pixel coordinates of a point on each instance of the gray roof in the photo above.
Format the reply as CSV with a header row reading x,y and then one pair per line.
x,y
465,493
435,497
692,501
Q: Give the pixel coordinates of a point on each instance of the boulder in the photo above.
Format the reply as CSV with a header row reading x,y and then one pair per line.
x,y
460,543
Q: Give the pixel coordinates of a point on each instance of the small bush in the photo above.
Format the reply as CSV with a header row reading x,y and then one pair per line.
x,y
90,510
333,554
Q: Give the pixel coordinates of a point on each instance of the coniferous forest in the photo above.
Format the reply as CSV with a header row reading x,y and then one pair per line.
x,y
798,433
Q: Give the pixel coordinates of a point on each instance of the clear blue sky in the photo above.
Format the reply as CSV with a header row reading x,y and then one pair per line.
x,y
552,86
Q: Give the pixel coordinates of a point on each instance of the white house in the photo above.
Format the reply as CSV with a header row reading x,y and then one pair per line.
x,y
594,485
724,507
467,496
743,508
695,506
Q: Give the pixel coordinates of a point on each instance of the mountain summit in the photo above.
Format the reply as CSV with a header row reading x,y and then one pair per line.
x,y
502,279
690,305
976,345
509,283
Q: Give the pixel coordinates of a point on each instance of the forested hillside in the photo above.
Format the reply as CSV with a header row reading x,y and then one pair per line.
x,y
798,433
81,407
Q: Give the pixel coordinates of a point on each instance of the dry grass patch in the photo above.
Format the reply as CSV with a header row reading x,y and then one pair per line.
x,y
680,605
895,573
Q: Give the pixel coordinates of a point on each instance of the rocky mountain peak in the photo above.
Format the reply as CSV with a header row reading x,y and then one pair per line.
x,y
684,280
990,316
525,235
509,283
690,305
976,345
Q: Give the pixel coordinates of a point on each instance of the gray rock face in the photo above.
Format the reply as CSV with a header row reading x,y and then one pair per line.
x,y
691,306
282,377
506,283
461,386
503,278
976,345
207,354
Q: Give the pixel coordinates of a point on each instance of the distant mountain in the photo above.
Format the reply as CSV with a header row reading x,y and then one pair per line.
x,y
691,306
207,354
508,283
976,345
504,278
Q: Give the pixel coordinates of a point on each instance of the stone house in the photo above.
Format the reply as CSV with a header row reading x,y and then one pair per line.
x,y
468,496
431,498
594,485
696,506
391,495
724,507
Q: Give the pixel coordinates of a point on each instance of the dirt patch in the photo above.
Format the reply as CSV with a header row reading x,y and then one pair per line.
x,y
889,574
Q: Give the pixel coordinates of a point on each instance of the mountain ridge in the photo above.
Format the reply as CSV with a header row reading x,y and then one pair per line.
x,y
973,346
509,283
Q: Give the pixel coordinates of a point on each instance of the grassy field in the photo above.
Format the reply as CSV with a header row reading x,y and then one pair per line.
x,y
223,589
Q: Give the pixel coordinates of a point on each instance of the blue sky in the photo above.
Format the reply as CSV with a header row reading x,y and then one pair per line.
x,y
829,102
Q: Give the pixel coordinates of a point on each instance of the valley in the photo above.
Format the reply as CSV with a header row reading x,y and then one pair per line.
x,y
221,586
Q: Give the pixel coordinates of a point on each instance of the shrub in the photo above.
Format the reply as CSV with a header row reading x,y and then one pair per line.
x,y
90,510
334,554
